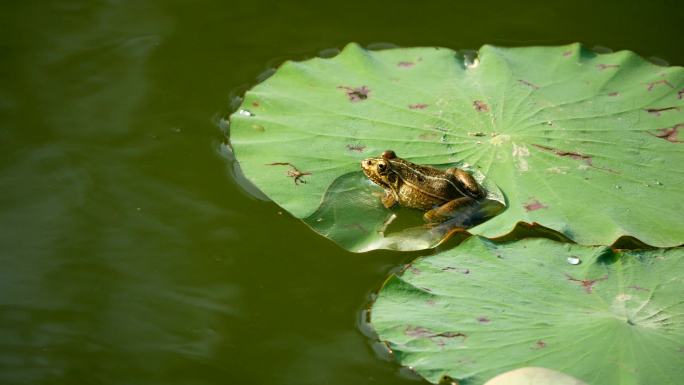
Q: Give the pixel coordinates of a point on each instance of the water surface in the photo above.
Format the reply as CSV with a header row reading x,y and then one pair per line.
x,y
130,256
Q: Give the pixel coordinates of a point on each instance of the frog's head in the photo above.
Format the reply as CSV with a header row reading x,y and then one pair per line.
x,y
378,169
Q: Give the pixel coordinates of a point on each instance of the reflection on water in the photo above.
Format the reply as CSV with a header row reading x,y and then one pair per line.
x,y
128,254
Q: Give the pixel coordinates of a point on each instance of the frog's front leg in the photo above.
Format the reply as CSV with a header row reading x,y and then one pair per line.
x,y
466,180
460,208
388,200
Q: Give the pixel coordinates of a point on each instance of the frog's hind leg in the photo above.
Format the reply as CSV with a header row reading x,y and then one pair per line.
x,y
473,189
459,210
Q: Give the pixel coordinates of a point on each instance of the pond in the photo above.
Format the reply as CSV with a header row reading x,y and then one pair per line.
x,y
129,252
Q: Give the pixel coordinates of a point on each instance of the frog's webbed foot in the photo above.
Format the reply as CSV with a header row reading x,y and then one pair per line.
x,y
467,181
460,211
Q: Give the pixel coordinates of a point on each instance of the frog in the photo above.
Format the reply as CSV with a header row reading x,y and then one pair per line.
x,y
440,193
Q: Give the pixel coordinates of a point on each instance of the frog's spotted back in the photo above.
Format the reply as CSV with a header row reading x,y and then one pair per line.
x,y
421,187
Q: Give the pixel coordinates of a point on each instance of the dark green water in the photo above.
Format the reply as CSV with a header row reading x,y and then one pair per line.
x,y
128,253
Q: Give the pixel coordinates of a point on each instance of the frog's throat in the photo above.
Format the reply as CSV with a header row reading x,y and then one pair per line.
x,y
375,179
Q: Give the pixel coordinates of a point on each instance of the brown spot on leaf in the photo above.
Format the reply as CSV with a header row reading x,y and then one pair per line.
x,y
478,133
483,320
451,335
587,284
429,135
430,302
614,94
293,172
421,332
680,94
574,155
567,53
406,64
658,111
525,82
418,332
571,154
540,344
356,147
356,94
258,128
255,104
652,85
671,134
534,205
417,106
414,270
480,106
456,269
637,287
604,66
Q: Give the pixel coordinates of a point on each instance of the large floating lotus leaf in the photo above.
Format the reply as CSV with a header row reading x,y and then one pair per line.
x,y
590,145
481,309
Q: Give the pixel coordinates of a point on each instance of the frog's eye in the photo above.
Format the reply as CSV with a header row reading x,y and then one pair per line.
x,y
382,166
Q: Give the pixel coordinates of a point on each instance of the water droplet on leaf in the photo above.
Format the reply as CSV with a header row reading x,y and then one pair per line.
x,y
574,260
245,113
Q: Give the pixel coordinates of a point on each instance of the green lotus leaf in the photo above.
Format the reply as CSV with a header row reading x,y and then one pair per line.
x,y
589,145
471,313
